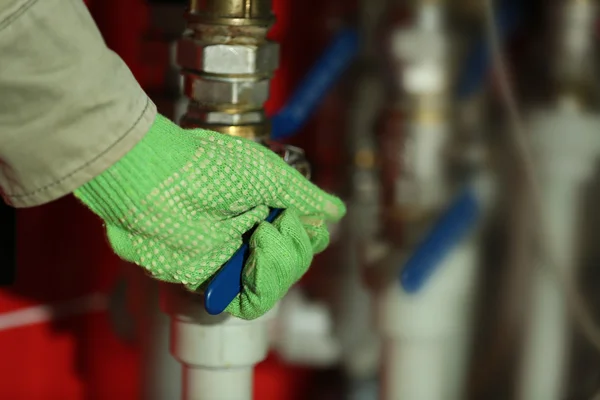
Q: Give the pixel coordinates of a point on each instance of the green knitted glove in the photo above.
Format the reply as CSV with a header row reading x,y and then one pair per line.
x,y
179,202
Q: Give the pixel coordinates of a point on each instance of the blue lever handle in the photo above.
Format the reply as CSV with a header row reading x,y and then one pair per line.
x,y
478,60
227,283
452,227
314,87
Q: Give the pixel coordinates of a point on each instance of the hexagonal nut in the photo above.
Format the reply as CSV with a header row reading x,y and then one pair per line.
x,y
251,94
232,59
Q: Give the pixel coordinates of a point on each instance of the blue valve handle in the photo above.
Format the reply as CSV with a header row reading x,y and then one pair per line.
x,y
314,87
478,61
450,229
227,283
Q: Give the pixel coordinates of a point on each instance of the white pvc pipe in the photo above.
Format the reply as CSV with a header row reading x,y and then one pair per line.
x,y
217,383
217,353
413,370
546,354
303,332
427,334
567,147
212,352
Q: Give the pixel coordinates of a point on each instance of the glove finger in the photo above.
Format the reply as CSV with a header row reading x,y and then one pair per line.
x,y
179,254
317,232
281,186
264,273
246,221
291,228
121,242
295,191
193,273
308,199
280,253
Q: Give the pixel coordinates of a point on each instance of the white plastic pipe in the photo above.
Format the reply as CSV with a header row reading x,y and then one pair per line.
x,y
218,353
426,335
303,332
567,147
217,383
320,334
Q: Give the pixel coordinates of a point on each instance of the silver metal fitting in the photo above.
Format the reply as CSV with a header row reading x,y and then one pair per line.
x,y
225,118
260,59
227,65
244,93
293,156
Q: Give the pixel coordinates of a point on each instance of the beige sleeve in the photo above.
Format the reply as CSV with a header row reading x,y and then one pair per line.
x,y
69,107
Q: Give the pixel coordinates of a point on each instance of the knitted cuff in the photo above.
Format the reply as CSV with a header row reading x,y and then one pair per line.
x,y
121,189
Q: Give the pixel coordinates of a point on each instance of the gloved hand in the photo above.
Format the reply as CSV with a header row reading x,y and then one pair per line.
x,y
179,202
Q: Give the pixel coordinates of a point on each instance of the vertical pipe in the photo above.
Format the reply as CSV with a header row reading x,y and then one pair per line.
x,y
567,149
213,350
426,335
209,383
226,63
563,170
546,342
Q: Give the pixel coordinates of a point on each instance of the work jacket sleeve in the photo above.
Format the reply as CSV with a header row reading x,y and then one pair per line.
x,y
69,106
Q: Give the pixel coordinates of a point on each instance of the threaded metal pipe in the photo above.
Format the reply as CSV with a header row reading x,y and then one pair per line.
x,y
227,65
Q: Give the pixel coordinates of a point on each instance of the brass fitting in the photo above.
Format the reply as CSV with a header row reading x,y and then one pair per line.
x,y
227,64
232,12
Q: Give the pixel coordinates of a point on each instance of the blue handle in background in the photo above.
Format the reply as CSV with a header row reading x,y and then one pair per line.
x,y
315,86
478,60
451,228
464,212
227,283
